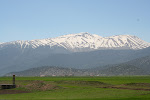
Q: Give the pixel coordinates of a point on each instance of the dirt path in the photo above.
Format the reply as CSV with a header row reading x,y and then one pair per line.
x,y
127,88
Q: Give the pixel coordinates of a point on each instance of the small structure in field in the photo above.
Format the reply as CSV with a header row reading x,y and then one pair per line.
x,y
9,86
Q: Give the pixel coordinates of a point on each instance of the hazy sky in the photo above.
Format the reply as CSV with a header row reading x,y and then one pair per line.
x,y
38,19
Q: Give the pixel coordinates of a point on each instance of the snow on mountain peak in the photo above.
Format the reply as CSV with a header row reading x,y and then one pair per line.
x,y
82,34
84,41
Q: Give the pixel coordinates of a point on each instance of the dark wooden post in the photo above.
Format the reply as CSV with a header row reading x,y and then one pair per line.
x,y
13,79
14,86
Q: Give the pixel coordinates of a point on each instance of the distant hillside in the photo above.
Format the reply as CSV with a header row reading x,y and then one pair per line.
x,y
140,66
50,71
122,69
143,63
113,70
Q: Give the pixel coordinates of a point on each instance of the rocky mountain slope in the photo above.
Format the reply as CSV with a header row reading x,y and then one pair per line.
x,y
139,66
143,63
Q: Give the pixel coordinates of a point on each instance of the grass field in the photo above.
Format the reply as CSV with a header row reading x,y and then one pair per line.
x,y
80,88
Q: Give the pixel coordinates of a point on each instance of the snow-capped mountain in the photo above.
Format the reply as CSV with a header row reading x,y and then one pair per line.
x,y
83,42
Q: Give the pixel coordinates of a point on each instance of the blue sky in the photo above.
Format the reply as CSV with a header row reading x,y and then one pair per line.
x,y
38,19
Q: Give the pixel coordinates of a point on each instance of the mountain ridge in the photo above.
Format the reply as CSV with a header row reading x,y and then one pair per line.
x,y
82,42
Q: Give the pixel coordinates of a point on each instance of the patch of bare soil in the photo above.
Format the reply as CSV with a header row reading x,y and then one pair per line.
x,y
127,88
138,84
12,91
131,88
39,86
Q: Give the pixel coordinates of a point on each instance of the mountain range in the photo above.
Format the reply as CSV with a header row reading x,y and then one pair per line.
x,y
81,42
79,51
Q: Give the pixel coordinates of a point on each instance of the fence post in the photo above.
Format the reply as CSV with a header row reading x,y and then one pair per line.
x,y
14,81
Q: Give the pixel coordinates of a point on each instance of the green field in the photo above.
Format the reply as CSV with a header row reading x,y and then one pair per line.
x,y
82,88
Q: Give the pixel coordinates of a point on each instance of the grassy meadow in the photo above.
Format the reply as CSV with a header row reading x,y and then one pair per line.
x,y
78,88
